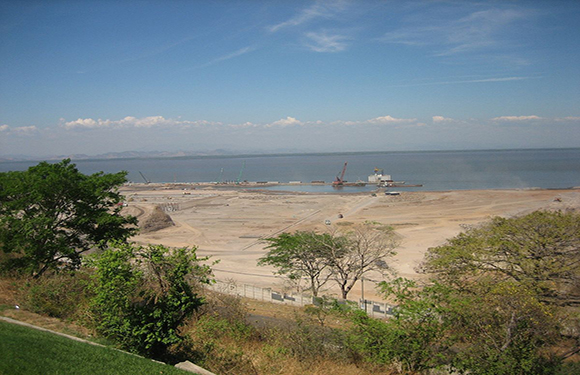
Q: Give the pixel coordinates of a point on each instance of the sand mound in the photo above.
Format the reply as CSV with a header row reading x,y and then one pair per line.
x,y
151,219
155,220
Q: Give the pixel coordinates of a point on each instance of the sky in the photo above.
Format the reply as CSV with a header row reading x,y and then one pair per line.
x,y
252,76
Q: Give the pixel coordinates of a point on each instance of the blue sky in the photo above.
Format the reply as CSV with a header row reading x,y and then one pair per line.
x,y
287,76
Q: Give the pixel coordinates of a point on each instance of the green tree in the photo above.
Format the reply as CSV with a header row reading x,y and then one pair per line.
x,y
540,251
515,284
415,337
321,257
51,214
300,255
503,301
143,295
502,328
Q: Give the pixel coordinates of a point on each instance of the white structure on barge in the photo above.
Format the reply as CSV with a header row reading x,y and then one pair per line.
x,y
380,179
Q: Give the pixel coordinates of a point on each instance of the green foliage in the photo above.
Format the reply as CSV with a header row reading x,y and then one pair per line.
x,y
503,328
495,306
298,255
540,251
325,308
52,213
144,295
321,257
416,337
519,280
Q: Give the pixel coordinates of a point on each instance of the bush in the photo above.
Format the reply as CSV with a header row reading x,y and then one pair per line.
x,y
143,296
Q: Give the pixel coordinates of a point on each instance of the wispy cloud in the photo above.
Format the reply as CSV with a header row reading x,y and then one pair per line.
x,y
481,80
239,52
476,31
320,9
325,42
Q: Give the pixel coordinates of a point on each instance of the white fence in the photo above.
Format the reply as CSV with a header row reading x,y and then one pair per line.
x,y
372,308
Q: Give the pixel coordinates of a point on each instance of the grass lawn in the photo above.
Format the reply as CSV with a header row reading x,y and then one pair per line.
x,y
26,350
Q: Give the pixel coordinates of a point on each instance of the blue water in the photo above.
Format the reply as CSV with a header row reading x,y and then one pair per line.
x,y
435,170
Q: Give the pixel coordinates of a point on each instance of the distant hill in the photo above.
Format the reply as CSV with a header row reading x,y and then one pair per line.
x,y
142,154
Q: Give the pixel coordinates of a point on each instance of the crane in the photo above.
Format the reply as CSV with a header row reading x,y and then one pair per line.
x,y
241,170
340,180
146,180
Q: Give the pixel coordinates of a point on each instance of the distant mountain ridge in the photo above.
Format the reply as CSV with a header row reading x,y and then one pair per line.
x,y
138,154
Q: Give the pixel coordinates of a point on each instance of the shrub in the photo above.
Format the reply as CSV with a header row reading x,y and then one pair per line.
x,y
143,296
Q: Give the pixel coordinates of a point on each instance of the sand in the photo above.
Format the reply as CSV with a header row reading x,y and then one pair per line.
x,y
228,224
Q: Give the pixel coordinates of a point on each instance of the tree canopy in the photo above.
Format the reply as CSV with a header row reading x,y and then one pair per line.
x,y
540,251
502,300
344,258
50,214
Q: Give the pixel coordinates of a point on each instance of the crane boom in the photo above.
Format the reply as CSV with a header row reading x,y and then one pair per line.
x,y
340,180
241,171
146,180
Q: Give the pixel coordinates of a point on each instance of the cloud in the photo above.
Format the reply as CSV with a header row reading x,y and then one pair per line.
x,y
516,118
18,131
83,123
240,52
439,119
323,42
320,9
480,30
132,122
390,120
482,80
288,121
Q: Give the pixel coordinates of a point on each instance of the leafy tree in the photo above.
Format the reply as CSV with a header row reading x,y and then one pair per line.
x,y
514,290
144,295
503,297
416,336
502,328
300,255
52,213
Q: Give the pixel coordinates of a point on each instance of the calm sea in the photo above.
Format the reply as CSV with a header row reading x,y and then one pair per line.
x,y
435,170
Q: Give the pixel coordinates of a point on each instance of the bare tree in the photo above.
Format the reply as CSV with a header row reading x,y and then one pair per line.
x,y
358,252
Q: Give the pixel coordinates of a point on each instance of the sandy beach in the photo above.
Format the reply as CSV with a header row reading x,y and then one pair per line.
x,y
227,224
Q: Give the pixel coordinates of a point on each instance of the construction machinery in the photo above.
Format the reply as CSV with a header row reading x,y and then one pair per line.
x,y
241,171
339,181
144,178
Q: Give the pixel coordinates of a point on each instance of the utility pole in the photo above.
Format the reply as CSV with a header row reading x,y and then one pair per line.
x,y
362,292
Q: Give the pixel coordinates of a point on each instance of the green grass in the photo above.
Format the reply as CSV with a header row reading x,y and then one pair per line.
x,y
26,350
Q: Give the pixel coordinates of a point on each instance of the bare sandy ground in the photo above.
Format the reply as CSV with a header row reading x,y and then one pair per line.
x,y
228,224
